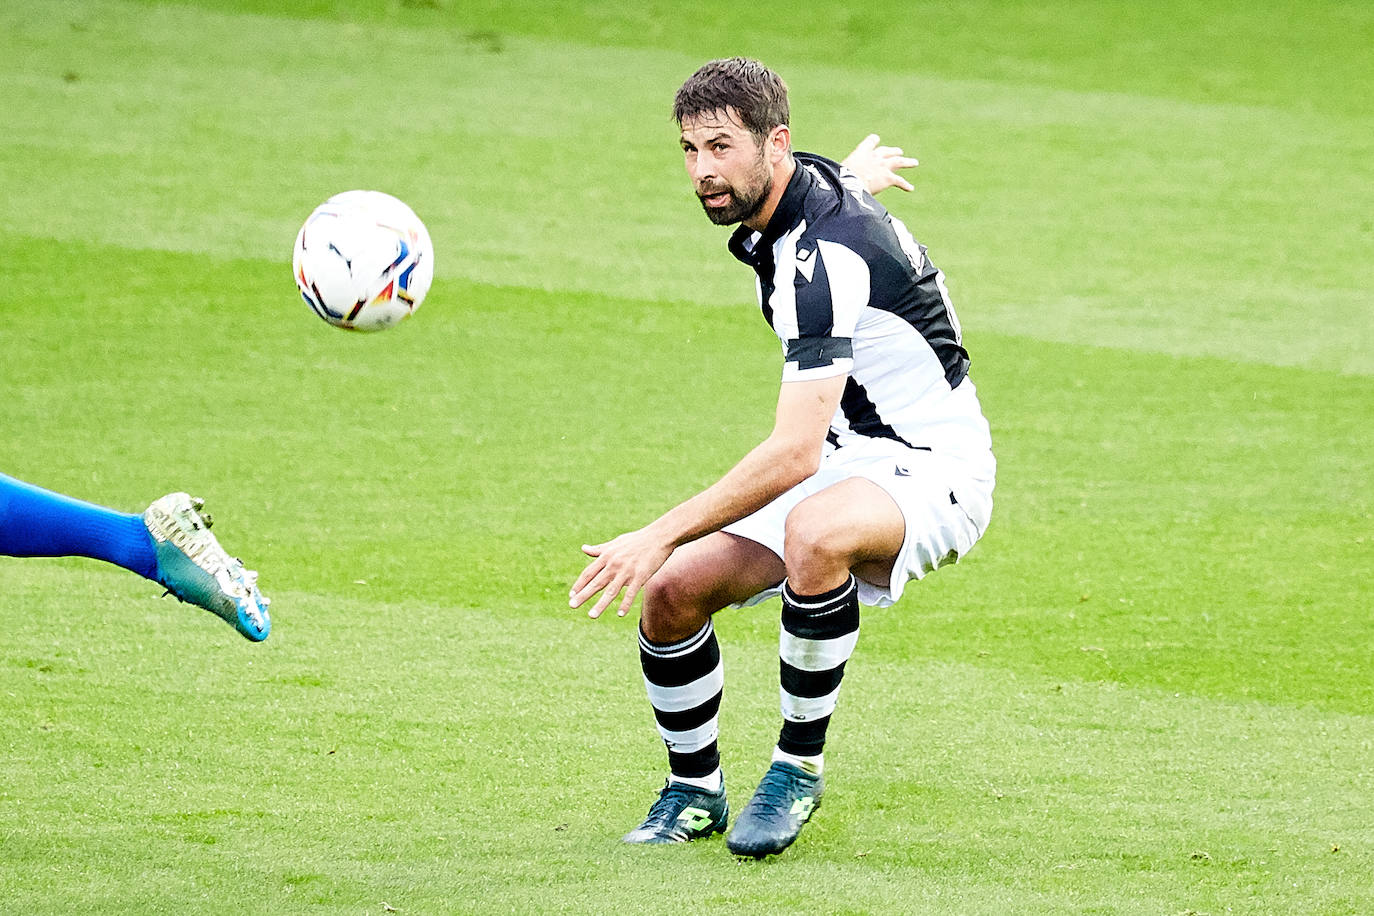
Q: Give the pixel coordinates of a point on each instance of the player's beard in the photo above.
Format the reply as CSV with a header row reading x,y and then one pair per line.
x,y
745,201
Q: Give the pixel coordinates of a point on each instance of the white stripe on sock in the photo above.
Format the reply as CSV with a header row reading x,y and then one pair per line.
x,y
710,783
676,699
816,654
693,739
807,709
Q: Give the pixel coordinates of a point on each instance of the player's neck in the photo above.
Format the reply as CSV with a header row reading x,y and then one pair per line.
x,y
782,177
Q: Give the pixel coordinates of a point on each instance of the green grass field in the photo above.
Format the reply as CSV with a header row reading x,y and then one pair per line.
x,y
1148,691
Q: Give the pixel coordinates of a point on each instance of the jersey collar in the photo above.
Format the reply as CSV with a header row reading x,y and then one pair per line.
x,y
747,245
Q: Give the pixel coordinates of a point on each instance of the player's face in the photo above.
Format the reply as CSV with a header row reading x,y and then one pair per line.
x,y
730,170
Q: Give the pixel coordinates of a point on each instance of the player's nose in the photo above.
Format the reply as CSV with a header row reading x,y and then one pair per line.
x,y
701,169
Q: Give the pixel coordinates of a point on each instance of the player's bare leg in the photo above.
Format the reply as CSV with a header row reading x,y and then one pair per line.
x,y
854,526
684,676
702,577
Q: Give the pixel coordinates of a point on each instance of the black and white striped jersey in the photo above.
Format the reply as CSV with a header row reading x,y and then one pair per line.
x,y
849,291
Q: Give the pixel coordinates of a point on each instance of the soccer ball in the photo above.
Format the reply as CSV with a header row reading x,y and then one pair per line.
x,y
363,261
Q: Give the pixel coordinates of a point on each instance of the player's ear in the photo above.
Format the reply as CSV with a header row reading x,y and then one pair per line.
x,y
779,142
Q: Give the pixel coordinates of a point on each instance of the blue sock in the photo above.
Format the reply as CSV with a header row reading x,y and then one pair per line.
x,y
39,523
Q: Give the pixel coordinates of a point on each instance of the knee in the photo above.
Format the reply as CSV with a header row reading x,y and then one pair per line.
x,y
812,543
662,592
671,610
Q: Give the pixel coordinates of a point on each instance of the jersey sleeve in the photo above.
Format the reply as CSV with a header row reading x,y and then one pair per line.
x,y
831,288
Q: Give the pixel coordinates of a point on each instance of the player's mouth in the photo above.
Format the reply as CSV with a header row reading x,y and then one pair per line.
x,y
718,199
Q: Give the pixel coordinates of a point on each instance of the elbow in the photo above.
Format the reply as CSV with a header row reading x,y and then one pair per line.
x,y
798,462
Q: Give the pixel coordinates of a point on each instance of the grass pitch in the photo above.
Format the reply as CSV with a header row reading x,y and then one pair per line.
x,y
1147,691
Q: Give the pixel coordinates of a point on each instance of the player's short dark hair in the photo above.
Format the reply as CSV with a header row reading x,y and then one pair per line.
x,y
756,93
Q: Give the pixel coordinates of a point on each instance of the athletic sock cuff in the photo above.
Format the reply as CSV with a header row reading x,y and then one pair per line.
x,y
682,647
805,601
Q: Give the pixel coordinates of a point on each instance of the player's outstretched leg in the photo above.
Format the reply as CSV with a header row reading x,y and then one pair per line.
x,y
35,522
781,806
193,566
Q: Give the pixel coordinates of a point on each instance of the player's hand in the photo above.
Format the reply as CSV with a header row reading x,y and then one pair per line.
x,y
878,165
621,565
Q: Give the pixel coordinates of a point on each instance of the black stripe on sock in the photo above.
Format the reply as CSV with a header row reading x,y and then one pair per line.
x,y
687,719
680,669
823,598
832,622
803,739
696,764
809,684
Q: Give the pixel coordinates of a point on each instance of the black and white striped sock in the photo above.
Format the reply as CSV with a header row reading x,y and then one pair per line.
x,y
818,636
685,680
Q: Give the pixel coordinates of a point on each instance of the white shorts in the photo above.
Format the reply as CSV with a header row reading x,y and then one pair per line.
x,y
945,508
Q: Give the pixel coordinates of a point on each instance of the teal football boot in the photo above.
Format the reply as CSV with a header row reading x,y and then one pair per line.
x,y
682,813
193,566
781,806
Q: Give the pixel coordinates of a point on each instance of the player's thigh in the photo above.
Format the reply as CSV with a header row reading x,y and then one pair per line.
x,y
855,522
703,576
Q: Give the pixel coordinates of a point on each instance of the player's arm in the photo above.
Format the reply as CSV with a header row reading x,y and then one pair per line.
x,y
878,165
789,455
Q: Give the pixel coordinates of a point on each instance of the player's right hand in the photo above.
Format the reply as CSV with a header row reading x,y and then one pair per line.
x,y
621,565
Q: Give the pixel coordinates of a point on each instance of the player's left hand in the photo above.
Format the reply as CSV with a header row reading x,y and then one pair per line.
x,y
623,564
878,165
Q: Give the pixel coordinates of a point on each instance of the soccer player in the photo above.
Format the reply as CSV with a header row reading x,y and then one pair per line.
x,y
169,543
878,470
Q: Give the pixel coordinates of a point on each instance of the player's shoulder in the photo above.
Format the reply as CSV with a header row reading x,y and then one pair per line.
x,y
835,193
840,209
829,183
